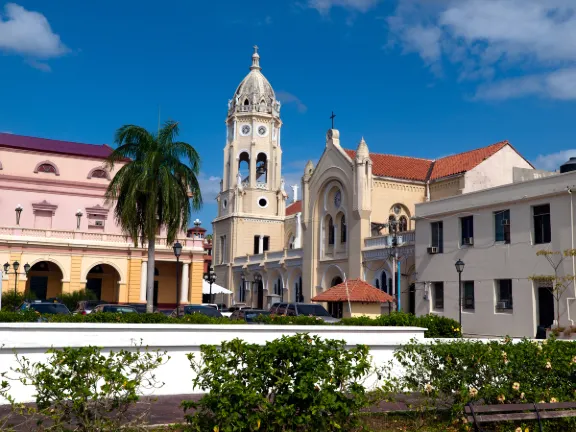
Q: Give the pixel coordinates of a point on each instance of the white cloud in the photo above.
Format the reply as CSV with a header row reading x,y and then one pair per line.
x,y
324,6
210,187
530,45
552,161
28,33
288,98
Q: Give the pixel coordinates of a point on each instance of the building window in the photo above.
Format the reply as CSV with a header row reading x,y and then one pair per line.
x,y
266,242
504,295
278,286
392,228
343,229
223,249
468,297
256,245
403,224
542,228
47,168
242,292
330,231
467,228
437,236
438,295
502,226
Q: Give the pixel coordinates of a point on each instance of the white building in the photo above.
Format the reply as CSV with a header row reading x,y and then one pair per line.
x,y
497,232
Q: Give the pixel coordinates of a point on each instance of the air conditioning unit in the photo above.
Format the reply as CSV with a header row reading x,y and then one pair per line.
x,y
400,240
433,250
99,223
468,241
505,222
502,305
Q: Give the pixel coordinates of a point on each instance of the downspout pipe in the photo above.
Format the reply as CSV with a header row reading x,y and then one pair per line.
x,y
571,299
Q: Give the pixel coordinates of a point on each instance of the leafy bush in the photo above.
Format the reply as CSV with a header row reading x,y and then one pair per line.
x,y
451,374
297,383
290,320
71,299
84,388
11,300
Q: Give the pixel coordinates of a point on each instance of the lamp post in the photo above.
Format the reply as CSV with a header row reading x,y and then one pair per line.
x,y
210,277
18,211
197,223
460,268
258,281
79,215
177,252
15,267
242,289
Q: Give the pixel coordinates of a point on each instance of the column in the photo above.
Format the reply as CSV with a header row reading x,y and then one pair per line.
x,y
260,244
184,283
143,274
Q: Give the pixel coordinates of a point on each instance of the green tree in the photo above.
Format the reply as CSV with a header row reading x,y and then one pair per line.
x,y
156,187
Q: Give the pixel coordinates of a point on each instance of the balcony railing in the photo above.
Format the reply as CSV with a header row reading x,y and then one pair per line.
x,y
58,236
387,241
269,257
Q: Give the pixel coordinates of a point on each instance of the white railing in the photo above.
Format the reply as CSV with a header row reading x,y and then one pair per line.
x,y
86,236
269,257
273,256
386,253
262,186
386,241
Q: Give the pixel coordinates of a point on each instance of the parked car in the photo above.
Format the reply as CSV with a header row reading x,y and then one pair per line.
x,y
212,305
191,309
114,308
303,309
237,306
248,315
141,307
222,307
84,307
44,307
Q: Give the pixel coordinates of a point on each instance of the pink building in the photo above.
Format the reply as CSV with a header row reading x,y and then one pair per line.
x,y
54,218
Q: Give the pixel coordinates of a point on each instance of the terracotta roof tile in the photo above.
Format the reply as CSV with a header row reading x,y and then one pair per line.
x,y
462,162
295,207
54,146
410,168
359,291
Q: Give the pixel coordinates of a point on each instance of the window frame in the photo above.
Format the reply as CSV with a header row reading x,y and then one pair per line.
x,y
435,298
466,228
440,235
501,235
468,284
543,229
499,298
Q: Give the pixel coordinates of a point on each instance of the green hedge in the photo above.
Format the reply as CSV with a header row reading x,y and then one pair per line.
x,y
438,327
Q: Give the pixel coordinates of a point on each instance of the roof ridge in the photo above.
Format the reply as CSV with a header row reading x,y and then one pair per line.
x,y
394,155
52,139
504,142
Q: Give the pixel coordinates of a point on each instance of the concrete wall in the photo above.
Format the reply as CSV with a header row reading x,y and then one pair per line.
x,y
32,340
371,310
488,261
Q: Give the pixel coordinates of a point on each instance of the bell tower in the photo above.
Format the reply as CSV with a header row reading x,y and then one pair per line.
x,y
252,187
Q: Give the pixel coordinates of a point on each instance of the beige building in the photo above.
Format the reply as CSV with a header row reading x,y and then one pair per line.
x,y
496,233
354,220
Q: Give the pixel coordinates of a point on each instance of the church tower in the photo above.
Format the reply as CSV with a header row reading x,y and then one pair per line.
x,y
252,198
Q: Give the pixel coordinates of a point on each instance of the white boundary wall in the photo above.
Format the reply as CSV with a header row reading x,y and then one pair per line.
x,y
32,340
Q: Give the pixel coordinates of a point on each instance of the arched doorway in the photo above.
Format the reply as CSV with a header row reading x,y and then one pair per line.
x,y
102,281
44,281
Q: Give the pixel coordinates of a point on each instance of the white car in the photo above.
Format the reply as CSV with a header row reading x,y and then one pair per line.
x,y
236,307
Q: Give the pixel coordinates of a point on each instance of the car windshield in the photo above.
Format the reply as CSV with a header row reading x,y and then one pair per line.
x,y
314,310
118,309
208,311
50,308
252,315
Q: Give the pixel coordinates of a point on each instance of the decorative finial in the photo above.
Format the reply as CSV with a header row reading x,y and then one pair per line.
x,y
255,59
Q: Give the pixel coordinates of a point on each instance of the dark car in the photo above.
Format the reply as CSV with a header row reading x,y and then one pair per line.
x,y
141,307
84,307
201,309
303,309
114,308
248,315
43,307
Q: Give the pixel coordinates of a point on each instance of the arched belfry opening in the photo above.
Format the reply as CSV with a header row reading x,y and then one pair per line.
x,y
244,166
262,168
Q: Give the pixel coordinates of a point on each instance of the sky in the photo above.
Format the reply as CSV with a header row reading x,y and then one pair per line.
x,y
423,78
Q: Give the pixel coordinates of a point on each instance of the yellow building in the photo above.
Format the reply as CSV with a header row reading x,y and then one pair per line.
x,y
354,220
53,218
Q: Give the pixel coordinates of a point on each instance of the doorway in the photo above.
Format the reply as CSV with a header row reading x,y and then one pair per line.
x,y
412,299
39,287
95,287
260,295
545,307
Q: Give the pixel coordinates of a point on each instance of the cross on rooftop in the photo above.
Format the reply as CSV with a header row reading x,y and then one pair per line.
x,y
255,49
332,117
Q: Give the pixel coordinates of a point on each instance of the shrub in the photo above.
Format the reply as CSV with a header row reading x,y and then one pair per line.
x,y
85,388
11,300
71,299
297,383
452,374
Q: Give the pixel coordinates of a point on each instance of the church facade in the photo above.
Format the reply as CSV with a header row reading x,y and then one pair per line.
x,y
354,219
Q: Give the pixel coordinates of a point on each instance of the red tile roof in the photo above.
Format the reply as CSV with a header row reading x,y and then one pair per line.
x,y
54,146
295,207
409,168
359,291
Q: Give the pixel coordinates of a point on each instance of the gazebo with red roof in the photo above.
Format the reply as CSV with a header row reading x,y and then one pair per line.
x,y
364,299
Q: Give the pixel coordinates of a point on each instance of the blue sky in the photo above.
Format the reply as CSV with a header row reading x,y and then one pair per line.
x,y
422,78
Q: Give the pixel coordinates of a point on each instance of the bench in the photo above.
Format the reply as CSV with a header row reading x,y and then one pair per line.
x,y
479,414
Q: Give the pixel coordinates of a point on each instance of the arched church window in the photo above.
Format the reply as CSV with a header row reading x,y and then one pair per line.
x,y
99,173
392,224
343,229
377,283
403,224
47,168
246,102
244,166
330,231
262,168
337,280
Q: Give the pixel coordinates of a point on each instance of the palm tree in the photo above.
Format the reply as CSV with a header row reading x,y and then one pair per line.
x,y
156,187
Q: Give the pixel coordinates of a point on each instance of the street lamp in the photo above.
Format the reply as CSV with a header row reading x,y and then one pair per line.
x,y
177,252
79,215
258,281
242,289
197,223
460,268
210,277
15,266
18,211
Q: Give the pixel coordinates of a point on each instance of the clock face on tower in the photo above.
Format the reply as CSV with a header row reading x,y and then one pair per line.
x,y
262,130
337,199
245,129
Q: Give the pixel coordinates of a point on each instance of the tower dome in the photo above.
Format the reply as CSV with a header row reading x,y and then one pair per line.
x,y
254,94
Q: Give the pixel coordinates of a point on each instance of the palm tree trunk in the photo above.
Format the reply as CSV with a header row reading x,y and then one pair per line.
x,y
150,276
